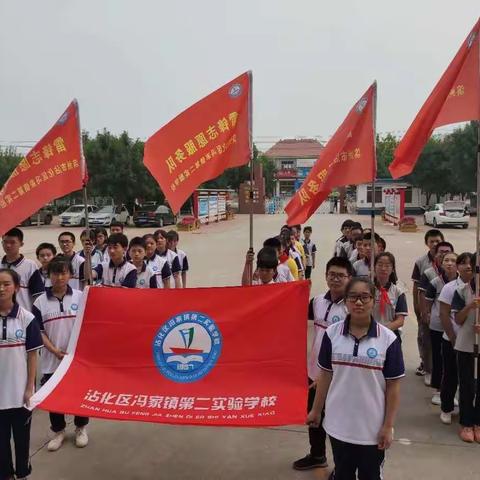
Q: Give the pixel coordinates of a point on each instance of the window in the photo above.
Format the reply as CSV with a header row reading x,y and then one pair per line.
x,y
287,187
378,194
288,164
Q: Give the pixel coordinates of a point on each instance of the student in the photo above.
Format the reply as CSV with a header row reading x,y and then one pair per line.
x,y
432,237
157,263
345,229
31,282
357,253
117,272
361,267
464,304
324,310
172,244
66,241
101,237
448,273
449,385
137,252
285,257
55,312
171,257
390,301
361,365
355,231
284,273
286,237
310,250
18,365
45,253
382,245
296,241
89,245
116,227
266,266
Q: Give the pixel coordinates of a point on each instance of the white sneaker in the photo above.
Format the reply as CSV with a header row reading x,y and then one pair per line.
x,y
446,418
436,399
455,402
81,437
427,379
56,442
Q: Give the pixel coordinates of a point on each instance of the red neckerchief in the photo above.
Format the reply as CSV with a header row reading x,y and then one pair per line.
x,y
384,300
283,257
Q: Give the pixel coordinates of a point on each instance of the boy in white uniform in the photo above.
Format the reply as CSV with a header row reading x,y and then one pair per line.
x,y
66,241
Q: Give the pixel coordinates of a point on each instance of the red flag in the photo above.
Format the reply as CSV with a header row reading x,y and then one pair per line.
x,y
54,167
202,356
347,159
455,98
199,144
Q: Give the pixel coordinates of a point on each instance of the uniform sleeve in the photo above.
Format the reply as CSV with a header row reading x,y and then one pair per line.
x,y
394,366
185,264
314,248
38,317
166,271
99,270
130,280
176,265
416,273
401,307
81,272
310,310
299,264
153,281
423,283
35,284
458,303
325,355
445,295
33,337
431,292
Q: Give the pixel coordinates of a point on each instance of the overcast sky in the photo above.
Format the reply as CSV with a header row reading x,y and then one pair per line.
x,y
133,65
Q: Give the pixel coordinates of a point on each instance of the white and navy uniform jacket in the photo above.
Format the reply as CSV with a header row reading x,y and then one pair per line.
x,y
45,278
464,294
56,318
446,296
353,256
78,277
421,264
324,312
428,275
309,248
123,275
432,294
355,404
161,268
347,249
283,274
338,245
105,257
31,282
173,262
183,259
395,304
146,278
19,334
96,256
361,268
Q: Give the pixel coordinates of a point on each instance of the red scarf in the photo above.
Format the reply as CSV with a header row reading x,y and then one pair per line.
x,y
384,300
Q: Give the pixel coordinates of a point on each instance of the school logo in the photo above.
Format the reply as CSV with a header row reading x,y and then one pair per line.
x,y
141,281
187,347
335,319
74,306
471,39
362,104
154,268
63,119
372,353
19,334
235,90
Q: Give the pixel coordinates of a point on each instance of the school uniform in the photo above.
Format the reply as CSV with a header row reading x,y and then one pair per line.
x,y
104,255
338,245
183,260
19,334
285,259
295,256
449,383
160,267
146,278
283,274
45,278
324,312
347,249
173,262
353,257
111,275
432,293
361,268
310,249
355,403
96,256
428,275
76,281
390,301
31,283
56,318
469,402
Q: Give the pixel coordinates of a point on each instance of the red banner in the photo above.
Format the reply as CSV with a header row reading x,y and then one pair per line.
x,y
455,98
347,159
53,168
204,356
204,140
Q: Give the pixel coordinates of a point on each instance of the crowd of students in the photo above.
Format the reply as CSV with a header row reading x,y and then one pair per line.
x,y
355,361
38,308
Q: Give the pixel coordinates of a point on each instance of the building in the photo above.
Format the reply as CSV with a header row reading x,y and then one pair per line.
x,y
293,159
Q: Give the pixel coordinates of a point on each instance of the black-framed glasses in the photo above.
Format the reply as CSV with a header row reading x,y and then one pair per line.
x,y
363,297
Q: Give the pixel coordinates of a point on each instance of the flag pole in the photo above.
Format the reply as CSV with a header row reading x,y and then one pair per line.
x,y
250,135
88,256
372,214
477,261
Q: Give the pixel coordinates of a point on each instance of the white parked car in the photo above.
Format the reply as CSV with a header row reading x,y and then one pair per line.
x,y
451,212
74,215
108,214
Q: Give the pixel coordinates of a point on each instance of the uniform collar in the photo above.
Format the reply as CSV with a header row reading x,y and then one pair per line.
x,y
164,254
112,265
386,287
13,264
14,311
50,294
328,296
144,266
372,329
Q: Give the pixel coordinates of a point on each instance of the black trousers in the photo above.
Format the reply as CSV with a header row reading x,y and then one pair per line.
x,y
308,272
469,403
57,420
15,421
316,435
449,378
437,367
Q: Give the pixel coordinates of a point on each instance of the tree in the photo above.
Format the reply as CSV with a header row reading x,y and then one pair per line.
x,y
9,159
385,147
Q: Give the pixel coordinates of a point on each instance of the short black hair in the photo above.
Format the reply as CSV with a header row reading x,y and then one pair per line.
x,y
172,235
356,226
273,242
340,262
60,264
158,233
119,238
116,223
443,244
382,242
346,224
101,230
137,242
46,246
433,233
267,258
307,229
465,256
14,232
368,236
90,233
70,234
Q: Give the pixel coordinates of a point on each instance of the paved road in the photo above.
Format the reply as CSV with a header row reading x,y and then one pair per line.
x,y
424,449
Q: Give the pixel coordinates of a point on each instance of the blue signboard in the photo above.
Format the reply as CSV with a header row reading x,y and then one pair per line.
x,y
302,172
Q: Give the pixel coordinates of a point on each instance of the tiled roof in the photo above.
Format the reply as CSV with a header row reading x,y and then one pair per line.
x,y
296,148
